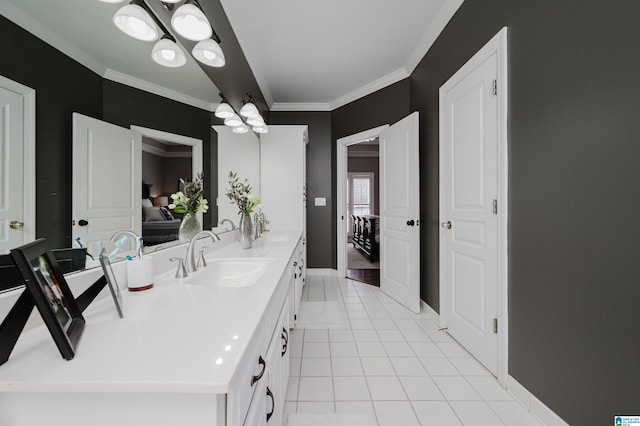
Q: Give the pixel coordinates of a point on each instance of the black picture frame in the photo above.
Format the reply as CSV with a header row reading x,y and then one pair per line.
x,y
107,270
51,295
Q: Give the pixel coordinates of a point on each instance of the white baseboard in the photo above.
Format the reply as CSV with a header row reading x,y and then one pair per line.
x,y
533,405
429,310
322,271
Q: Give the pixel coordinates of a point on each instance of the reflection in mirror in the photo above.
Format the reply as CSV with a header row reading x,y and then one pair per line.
x,y
239,153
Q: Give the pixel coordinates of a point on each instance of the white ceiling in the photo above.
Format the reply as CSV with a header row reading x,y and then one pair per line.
x,y
319,55
84,30
305,55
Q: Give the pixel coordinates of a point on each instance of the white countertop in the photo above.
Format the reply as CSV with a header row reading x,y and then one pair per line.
x,y
176,337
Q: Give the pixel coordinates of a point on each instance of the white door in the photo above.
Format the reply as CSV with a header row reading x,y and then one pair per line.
x,y
17,226
469,186
107,180
400,212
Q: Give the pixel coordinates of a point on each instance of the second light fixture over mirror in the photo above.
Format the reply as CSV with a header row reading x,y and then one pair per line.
x,y
137,20
249,116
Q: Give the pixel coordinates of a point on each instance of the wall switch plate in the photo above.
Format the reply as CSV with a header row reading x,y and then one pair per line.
x,y
320,201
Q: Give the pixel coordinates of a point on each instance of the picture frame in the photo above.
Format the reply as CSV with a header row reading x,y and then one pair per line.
x,y
107,270
51,295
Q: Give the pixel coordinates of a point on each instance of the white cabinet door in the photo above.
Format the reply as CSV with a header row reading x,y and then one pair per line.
x,y
282,176
274,369
256,415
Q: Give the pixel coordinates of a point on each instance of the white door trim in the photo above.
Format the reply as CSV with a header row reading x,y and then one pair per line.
x,y
498,46
195,144
341,179
29,155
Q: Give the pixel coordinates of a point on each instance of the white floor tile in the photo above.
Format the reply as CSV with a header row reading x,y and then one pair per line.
x,y
426,349
429,324
365,336
384,324
489,389
407,324
386,389
415,336
371,349
421,389
292,389
436,413
294,366
357,315
456,388
439,336
475,413
351,389
296,349
289,407
296,335
469,366
398,349
439,367
512,413
354,307
408,367
336,335
347,367
315,389
316,349
377,367
452,349
316,336
316,407
395,413
381,314
317,367
344,349
361,324
391,336
355,407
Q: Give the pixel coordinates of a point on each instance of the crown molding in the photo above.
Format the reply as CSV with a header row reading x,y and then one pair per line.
x,y
138,83
239,27
442,18
163,153
35,27
293,106
367,89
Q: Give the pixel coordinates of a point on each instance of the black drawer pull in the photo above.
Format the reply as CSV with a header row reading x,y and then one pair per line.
x,y
273,404
285,337
262,362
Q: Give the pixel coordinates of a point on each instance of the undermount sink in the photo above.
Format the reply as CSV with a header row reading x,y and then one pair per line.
x,y
234,273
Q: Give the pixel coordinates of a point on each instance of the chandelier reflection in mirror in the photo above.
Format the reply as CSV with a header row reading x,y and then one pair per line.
x,y
137,20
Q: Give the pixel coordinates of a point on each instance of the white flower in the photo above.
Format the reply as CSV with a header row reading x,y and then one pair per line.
x,y
171,206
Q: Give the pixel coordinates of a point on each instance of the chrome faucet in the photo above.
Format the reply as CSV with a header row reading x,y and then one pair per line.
x,y
191,254
117,235
261,224
233,226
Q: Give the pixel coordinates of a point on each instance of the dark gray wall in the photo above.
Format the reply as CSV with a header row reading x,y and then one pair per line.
x,y
372,165
164,173
573,192
62,87
320,234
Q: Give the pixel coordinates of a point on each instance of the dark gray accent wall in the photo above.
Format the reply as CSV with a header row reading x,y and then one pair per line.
x,y
125,106
320,183
574,329
164,173
62,87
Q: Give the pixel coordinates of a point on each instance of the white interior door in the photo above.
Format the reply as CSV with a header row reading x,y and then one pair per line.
x,y
106,198
400,212
469,193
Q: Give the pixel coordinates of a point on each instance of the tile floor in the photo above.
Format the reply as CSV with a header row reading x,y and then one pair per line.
x,y
384,361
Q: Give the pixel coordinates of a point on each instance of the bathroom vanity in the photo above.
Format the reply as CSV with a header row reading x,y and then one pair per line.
x,y
209,349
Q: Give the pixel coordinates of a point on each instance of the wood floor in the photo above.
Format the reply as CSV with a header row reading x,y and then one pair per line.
x,y
367,276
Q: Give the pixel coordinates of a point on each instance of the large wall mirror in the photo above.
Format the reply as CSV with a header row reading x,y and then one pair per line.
x,y
94,75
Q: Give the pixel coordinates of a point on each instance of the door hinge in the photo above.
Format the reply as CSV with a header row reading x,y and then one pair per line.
x,y
495,206
495,325
495,87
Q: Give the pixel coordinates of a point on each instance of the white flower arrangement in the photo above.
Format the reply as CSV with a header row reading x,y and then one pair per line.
x,y
191,200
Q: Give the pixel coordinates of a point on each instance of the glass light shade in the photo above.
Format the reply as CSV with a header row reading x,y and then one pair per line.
x,y
233,121
191,23
111,1
168,53
170,1
224,110
209,53
261,129
134,21
249,110
256,121
240,129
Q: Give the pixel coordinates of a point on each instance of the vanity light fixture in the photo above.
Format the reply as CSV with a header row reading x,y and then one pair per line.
x,y
224,110
135,21
167,53
243,128
256,121
233,121
261,129
208,52
249,109
190,22
112,1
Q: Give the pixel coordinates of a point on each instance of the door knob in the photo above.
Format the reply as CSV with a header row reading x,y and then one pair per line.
x,y
446,225
16,224
83,222
410,222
